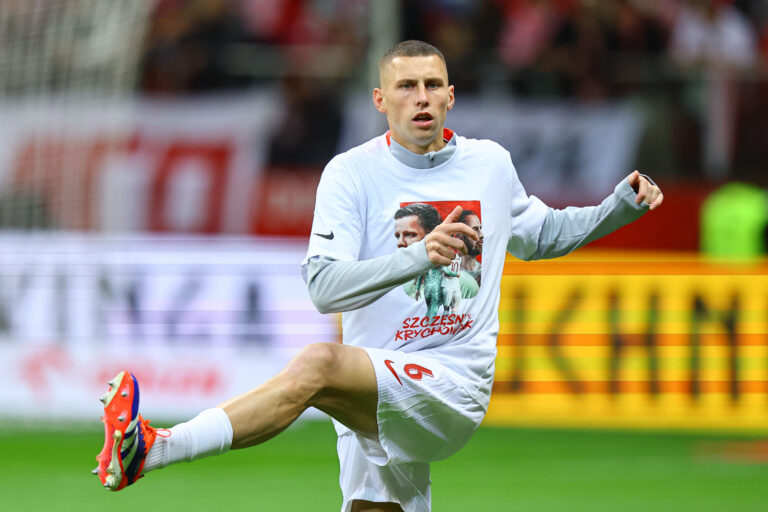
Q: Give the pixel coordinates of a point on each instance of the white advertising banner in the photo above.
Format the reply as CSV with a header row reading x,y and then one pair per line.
x,y
183,165
198,319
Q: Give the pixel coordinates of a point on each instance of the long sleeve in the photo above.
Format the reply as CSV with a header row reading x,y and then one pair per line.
x,y
566,230
336,286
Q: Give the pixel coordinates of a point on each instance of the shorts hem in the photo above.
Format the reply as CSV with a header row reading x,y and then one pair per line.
x,y
371,495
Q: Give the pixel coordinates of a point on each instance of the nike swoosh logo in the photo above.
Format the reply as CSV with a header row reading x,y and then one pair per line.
x,y
389,362
329,236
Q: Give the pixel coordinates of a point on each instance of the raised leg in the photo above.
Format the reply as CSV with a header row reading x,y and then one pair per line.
x,y
337,379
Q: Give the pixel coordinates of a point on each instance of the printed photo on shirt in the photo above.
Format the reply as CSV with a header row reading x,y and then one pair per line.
x,y
442,289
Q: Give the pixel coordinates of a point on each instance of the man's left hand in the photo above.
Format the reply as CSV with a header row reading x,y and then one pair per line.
x,y
647,192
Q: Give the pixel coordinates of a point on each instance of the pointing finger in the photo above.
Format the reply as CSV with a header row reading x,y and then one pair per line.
x,y
453,216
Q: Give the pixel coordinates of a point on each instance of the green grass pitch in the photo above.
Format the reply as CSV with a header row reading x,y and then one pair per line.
x,y
500,469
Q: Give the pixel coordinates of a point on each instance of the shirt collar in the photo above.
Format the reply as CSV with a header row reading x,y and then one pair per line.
x,y
427,160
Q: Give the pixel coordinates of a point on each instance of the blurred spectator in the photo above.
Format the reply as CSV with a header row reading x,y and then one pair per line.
x,y
581,49
186,43
713,34
764,41
637,40
276,21
462,30
716,38
307,135
204,45
685,60
579,53
751,151
456,40
528,29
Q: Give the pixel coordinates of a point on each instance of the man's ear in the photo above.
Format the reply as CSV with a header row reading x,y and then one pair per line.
x,y
378,100
451,98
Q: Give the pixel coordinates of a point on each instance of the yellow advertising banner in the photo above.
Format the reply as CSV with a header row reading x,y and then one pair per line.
x,y
609,339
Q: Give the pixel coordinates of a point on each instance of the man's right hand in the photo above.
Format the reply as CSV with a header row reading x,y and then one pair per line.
x,y
442,245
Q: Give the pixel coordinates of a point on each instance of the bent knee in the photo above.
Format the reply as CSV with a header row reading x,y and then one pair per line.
x,y
313,365
319,357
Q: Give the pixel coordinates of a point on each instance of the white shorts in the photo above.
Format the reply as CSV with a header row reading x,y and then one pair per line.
x,y
424,415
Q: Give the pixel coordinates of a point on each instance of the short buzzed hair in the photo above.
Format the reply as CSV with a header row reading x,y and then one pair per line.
x,y
410,48
427,215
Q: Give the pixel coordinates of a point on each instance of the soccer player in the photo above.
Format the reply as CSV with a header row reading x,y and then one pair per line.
x,y
404,389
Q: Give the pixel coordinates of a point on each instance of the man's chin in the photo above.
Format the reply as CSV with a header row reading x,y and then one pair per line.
x,y
427,144
421,141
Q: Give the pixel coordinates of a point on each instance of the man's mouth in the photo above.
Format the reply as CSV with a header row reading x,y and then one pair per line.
x,y
423,119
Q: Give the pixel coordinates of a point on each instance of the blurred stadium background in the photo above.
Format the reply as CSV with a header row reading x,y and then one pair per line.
x,y
158,162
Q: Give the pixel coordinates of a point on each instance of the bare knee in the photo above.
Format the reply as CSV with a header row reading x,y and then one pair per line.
x,y
311,368
318,359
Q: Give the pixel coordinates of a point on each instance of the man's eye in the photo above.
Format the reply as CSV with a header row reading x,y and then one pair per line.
x,y
406,86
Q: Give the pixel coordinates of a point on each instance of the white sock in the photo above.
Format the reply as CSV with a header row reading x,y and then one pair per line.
x,y
208,433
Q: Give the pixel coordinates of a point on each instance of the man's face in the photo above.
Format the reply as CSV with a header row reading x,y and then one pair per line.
x,y
408,230
416,97
474,248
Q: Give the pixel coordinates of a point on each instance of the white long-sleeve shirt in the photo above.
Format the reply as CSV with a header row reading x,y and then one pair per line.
x,y
353,263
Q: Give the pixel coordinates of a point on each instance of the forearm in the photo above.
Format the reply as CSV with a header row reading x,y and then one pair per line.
x,y
336,286
566,230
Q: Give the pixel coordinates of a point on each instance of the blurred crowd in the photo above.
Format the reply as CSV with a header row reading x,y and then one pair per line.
x,y
700,66
203,45
587,49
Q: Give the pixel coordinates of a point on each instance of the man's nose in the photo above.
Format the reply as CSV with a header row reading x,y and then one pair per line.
x,y
421,98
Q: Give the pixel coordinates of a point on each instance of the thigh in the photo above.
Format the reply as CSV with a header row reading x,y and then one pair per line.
x,y
338,379
349,392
